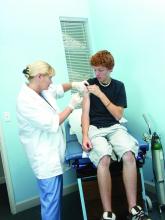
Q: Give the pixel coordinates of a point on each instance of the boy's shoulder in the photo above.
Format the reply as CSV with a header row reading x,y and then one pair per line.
x,y
118,82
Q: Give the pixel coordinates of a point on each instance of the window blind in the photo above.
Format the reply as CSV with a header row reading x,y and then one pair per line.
x,y
77,51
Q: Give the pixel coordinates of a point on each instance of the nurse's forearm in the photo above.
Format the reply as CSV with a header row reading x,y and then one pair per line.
x,y
67,86
64,114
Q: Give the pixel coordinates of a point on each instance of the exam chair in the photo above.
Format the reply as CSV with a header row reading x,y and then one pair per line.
x,y
87,181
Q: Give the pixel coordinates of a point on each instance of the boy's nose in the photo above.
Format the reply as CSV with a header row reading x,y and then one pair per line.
x,y
97,73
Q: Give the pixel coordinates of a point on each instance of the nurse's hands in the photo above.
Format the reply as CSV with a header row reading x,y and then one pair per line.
x,y
75,101
80,86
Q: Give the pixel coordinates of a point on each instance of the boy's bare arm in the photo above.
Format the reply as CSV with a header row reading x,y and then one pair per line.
x,y
85,122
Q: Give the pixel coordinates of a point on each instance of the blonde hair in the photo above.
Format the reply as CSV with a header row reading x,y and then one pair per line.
x,y
37,67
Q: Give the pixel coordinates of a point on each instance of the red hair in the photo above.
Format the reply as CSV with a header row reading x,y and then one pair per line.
x,y
103,58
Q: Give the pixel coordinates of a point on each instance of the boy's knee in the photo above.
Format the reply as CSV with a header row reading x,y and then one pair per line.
x,y
128,157
105,161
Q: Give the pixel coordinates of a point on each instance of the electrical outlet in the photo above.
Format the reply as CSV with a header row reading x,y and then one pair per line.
x,y
6,116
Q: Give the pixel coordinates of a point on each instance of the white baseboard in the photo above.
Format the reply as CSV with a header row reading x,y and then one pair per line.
x,y
26,204
70,189
2,180
150,187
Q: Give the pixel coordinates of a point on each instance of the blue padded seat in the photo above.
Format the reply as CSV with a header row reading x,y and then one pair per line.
x,y
74,149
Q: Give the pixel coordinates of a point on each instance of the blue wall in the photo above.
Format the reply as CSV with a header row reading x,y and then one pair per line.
x,y
134,31
30,30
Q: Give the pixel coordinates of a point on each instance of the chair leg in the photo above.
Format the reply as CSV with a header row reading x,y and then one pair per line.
x,y
82,198
143,191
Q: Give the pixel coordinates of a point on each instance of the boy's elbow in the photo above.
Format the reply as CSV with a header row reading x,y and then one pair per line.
x,y
119,116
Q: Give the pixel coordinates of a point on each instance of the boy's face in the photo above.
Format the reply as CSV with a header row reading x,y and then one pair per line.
x,y
102,73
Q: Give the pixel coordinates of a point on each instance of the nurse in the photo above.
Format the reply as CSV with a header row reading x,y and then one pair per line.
x,y
40,130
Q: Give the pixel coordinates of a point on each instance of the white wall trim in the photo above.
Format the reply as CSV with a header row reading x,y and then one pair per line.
x,y
30,203
7,174
150,187
70,189
27,204
2,180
